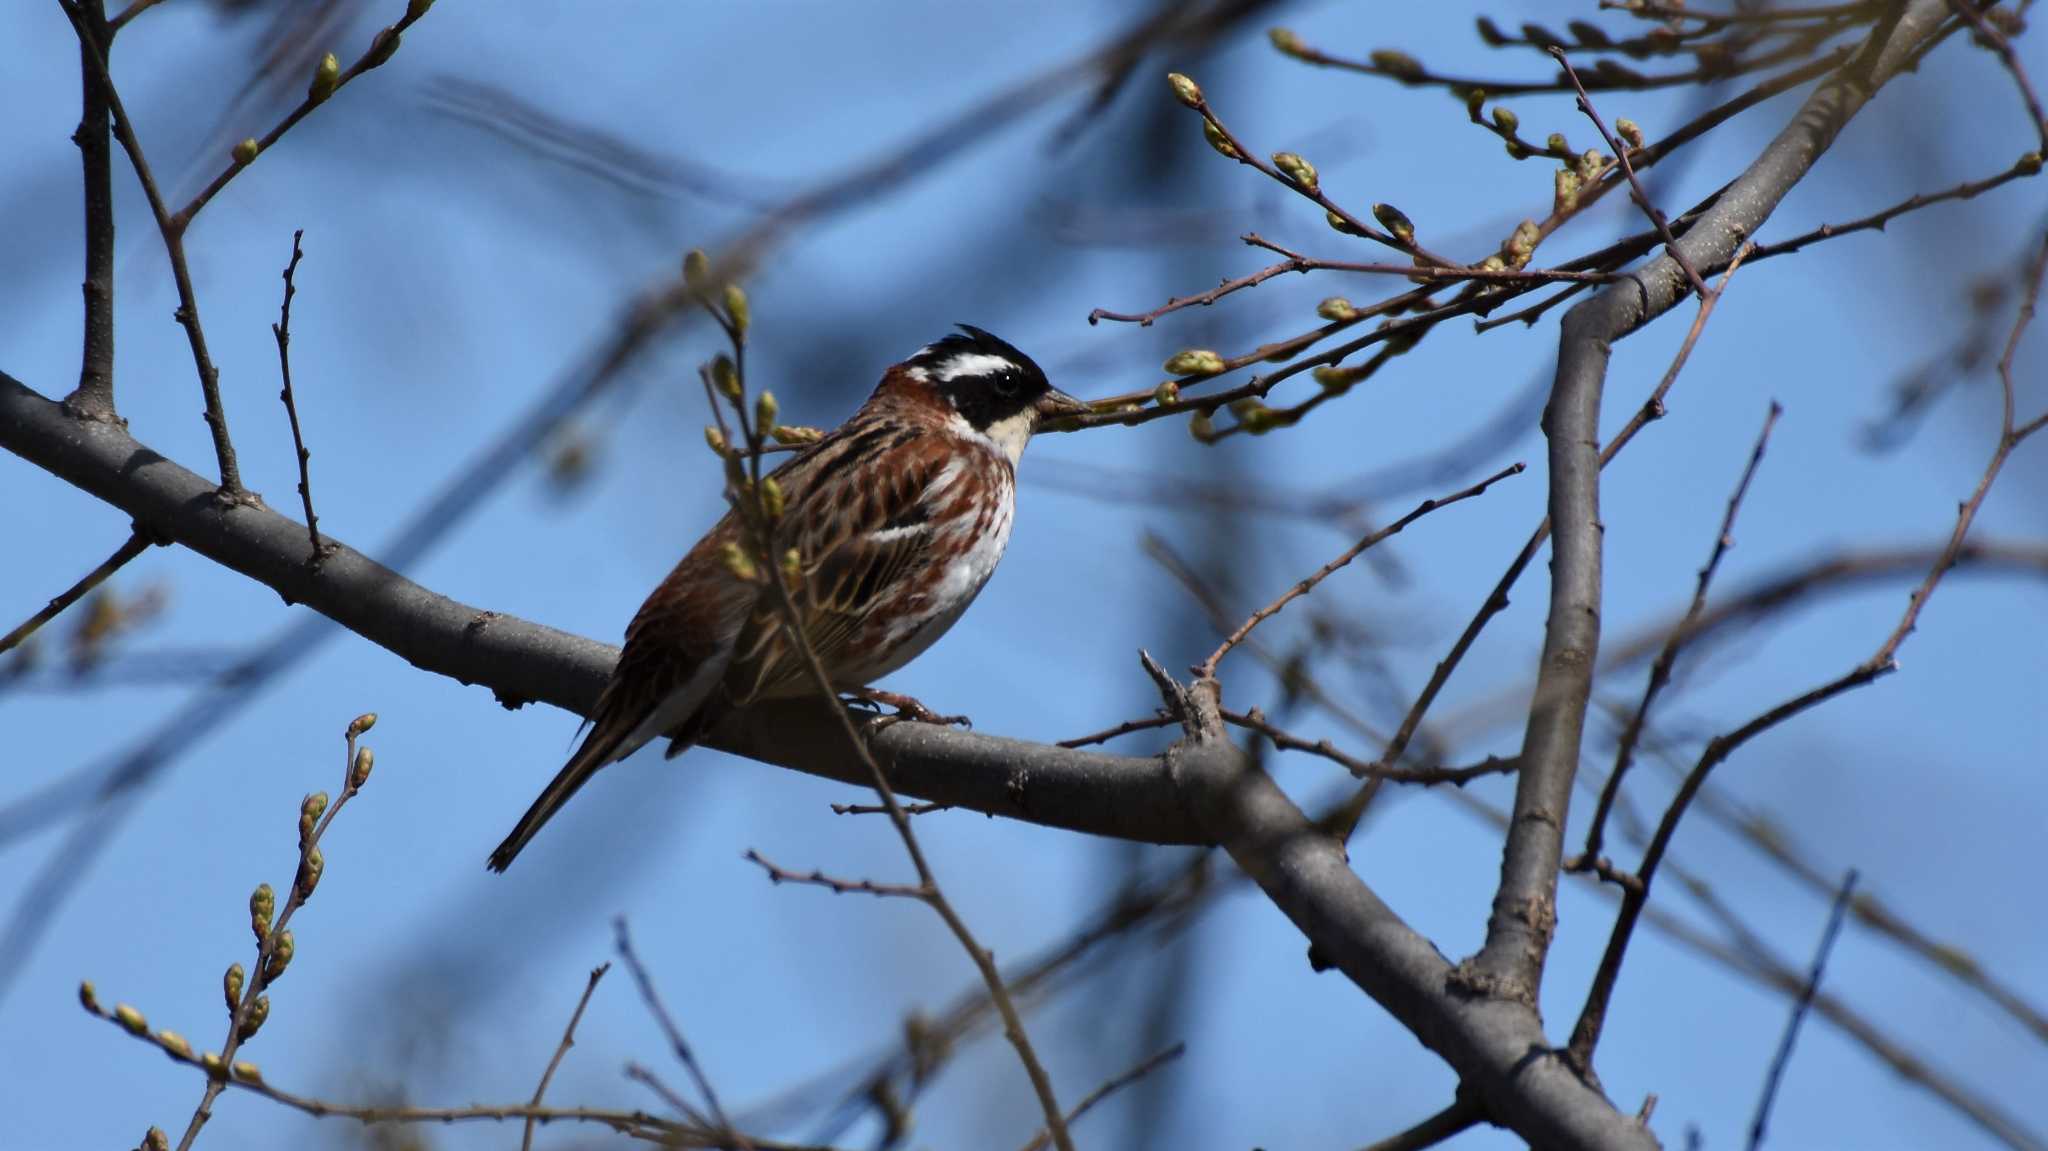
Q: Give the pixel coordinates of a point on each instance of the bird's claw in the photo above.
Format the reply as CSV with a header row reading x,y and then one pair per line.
x,y
907,708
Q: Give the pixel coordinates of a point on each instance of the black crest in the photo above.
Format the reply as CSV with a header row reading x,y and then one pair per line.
x,y
986,378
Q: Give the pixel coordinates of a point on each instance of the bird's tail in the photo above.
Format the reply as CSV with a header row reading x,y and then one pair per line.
x,y
599,748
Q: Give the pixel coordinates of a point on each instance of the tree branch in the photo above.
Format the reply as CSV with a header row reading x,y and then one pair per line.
x,y
94,398
521,662
1518,930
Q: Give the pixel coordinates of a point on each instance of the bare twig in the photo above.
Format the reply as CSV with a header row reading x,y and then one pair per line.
x,y
1207,668
94,397
173,234
879,809
1999,43
247,1077
282,329
1660,670
561,1051
680,1045
2010,434
1641,197
382,45
1463,1114
778,874
274,945
137,8
138,542
1150,723
1799,1009
1144,1067
1255,720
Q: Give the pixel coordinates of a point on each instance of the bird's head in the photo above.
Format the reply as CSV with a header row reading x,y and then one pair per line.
x,y
996,389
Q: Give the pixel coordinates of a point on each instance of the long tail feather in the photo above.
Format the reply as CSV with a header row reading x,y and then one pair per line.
x,y
599,748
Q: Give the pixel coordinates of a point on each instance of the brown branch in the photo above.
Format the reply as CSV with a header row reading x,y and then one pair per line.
x,y
1462,1115
1255,720
1411,74
1991,37
1296,262
382,45
1636,192
94,397
777,874
2026,166
1660,670
2010,434
174,246
138,542
1783,1057
1149,723
1113,1085
282,329
1310,189
561,1051
680,1045
1207,668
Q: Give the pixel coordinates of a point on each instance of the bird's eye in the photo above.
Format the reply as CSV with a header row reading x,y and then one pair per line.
x,y
1006,384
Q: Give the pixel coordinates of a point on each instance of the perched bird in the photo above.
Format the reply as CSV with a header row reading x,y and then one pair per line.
x,y
898,517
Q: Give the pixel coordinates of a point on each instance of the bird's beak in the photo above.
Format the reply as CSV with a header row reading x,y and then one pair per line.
x,y
1055,404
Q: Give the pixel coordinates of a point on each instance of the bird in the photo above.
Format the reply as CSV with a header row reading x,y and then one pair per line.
x,y
898,517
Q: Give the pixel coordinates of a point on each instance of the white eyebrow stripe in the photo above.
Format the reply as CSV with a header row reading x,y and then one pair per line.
x,y
972,364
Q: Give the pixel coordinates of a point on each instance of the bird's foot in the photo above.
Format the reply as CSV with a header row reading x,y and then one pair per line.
x,y
907,708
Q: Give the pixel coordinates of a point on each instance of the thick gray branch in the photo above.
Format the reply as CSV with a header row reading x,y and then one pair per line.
x,y
1524,906
1495,1044
1120,796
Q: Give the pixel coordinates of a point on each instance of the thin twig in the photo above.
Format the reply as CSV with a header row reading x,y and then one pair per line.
x,y
1111,1086
282,329
1800,1007
1255,720
561,1050
131,12
1999,43
1149,723
173,233
644,1075
94,397
1642,198
778,874
1207,668
1463,1114
1586,1033
2010,435
247,1077
273,942
382,45
681,1046
1660,670
138,542
878,809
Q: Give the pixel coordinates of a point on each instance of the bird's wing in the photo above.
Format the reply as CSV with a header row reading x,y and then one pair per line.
x,y
861,526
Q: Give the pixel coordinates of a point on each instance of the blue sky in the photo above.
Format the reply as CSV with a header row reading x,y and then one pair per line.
x,y
448,282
